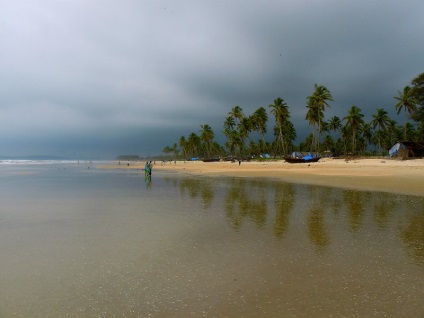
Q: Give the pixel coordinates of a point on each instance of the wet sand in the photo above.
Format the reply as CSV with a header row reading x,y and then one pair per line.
x,y
80,242
386,175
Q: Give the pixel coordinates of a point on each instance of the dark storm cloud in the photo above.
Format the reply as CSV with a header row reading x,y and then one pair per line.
x,y
106,77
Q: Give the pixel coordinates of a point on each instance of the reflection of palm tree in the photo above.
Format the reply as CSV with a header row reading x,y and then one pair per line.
x,y
316,226
383,207
316,218
354,201
198,188
246,199
284,203
413,237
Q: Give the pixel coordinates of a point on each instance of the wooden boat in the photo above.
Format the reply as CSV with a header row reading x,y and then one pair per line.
x,y
301,160
299,157
211,160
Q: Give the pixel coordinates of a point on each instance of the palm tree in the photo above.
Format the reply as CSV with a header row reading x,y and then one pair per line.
x,y
234,143
244,128
320,99
259,120
236,113
407,102
418,93
281,112
380,120
354,121
312,118
182,142
335,124
175,150
206,136
194,144
229,125
289,133
393,132
367,135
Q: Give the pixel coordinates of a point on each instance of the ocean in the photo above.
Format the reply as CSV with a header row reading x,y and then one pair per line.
x,y
80,241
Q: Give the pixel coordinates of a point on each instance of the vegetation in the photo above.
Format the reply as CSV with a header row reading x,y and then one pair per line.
x,y
246,134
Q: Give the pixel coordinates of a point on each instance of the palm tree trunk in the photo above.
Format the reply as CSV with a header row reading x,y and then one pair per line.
x,y
353,141
404,124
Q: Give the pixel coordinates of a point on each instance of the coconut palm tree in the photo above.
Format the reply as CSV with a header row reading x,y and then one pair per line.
x,y
234,143
281,113
206,136
244,128
354,121
319,99
289,133
366,135
312,118
194,143
236,113
407,102
380,120
259,121
394,132
418,93
175,150
229,125
335,124
182,142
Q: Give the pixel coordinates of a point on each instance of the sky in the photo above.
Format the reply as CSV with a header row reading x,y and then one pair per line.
x,y
101,78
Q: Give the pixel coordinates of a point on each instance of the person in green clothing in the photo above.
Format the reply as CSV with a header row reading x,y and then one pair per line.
x,y
150,168
147,171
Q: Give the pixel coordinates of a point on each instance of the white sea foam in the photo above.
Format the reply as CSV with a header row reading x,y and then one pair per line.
x,y
48,162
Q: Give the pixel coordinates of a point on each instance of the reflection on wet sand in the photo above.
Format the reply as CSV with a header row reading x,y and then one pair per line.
x,y
413,236
105,246
318,234
246,201
258,201
284,194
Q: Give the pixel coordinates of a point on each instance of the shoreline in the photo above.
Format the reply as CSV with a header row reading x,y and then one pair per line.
x,y
385,175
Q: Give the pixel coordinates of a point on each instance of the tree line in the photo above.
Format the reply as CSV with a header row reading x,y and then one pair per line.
x,y
350,135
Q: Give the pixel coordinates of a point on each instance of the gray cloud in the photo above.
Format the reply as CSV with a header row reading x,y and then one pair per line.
x,y
100,78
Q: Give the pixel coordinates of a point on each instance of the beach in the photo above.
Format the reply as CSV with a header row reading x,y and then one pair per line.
x,y
209,240
385,175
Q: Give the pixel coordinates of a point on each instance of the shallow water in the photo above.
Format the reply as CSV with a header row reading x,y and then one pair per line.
x,y
79,242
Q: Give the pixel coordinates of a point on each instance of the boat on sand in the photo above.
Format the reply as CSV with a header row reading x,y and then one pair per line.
x,y
300,157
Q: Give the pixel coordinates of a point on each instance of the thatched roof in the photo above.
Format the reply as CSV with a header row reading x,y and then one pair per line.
x,y
413,144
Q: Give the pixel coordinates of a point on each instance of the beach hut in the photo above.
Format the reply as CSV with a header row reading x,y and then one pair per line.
x,y
407,149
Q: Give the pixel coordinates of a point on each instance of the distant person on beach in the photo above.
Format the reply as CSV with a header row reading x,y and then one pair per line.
x,y
150,168
147,169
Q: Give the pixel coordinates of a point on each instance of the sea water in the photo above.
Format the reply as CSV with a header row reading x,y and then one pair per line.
x,y
79,241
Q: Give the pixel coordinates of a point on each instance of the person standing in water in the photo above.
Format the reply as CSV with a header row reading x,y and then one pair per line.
x,y
147,172
150,168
